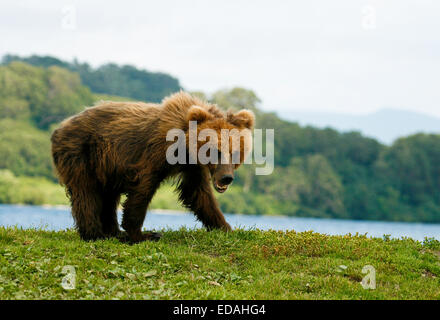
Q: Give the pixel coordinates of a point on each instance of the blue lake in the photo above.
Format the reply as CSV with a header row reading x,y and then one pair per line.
x,y
51,218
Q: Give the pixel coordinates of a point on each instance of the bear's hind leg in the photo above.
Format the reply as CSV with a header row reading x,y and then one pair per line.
x,y
86,211
135,210
109,214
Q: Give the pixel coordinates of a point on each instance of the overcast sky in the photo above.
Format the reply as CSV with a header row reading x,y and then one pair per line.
x,y
337,56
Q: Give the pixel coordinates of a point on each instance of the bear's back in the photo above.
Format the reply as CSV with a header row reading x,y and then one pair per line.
x,y
108,116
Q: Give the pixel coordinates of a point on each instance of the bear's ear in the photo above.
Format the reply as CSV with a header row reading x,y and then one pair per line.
x,y
196,113
243,118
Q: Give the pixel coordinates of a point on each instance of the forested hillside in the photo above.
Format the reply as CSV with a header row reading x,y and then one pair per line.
x,y
125,81
318,172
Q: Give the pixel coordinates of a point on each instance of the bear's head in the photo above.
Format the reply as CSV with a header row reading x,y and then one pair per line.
x,y
223,141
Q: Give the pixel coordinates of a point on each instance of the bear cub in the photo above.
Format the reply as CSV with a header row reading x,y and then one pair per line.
x,y
119,148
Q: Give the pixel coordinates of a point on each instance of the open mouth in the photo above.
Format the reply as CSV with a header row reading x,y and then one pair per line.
x,y
220,188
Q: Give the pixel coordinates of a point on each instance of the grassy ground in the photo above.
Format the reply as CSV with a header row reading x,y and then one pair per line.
x,y
195,264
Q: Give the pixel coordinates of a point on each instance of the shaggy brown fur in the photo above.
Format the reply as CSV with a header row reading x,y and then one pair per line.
x,y
119,148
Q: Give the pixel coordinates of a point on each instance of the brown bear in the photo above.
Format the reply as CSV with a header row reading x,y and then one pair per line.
x,y
119,148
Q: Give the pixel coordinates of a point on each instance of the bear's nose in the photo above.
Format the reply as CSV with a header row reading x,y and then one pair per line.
x,y
226,179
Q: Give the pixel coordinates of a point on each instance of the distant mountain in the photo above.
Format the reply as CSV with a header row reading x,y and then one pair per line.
x,y
385,125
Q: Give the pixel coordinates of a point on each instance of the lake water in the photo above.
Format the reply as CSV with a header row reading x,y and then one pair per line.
x,y
60,218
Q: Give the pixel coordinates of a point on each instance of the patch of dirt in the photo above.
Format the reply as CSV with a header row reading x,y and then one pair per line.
x,y
428,274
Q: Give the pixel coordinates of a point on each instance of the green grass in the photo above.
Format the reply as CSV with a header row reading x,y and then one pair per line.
x,y
195,264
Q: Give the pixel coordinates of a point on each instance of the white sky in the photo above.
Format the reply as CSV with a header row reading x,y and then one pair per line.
x,y
346,56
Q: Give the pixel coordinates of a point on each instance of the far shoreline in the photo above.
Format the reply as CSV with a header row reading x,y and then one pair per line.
x,y
156,210
182,212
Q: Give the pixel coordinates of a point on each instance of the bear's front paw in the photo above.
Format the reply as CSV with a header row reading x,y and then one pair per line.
x,y
152,236
226,228
139,237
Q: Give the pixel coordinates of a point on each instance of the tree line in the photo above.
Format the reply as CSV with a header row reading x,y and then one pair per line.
x,y
124,81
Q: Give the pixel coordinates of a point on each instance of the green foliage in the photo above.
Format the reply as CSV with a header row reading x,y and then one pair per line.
x,y
237,201
236,98
46,95
29,190
25,150
413,165
65,96
166,198
125,81
14,108
324,189
107,97
195,264
8,183
41,61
